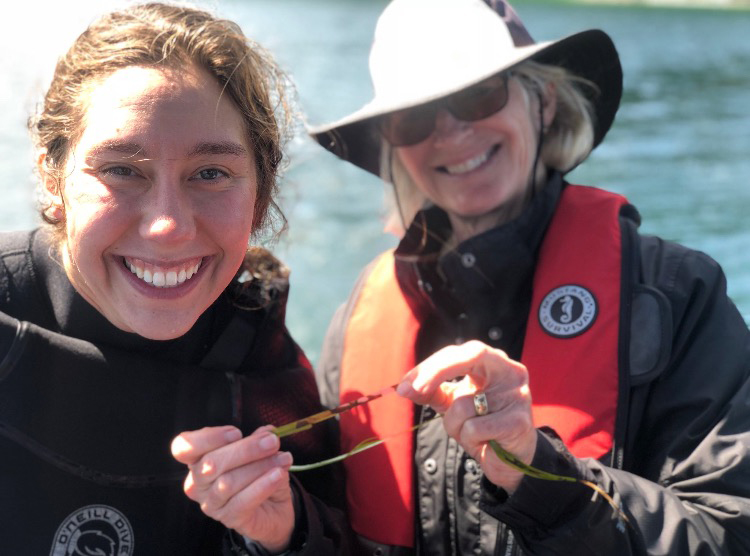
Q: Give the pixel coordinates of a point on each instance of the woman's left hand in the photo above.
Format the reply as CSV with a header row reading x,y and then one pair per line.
x,y
504,382
241,482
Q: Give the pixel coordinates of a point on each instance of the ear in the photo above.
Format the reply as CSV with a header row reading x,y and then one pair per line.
x,y
52,186
549,104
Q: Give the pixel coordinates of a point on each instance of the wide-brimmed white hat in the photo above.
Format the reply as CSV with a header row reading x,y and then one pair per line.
x,y
427,49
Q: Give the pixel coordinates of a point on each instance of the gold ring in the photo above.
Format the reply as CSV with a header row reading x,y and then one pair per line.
x,y
480,404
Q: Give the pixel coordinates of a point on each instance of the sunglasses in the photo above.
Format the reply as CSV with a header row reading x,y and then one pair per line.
x,y
413,125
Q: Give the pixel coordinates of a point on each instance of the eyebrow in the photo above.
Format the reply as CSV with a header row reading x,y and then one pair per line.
x,y
201,149
223,147
130,149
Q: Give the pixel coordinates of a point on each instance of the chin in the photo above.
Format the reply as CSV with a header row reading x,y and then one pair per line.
x,y
161,337
162,333
481,211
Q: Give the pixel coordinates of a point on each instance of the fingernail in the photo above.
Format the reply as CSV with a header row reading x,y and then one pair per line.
x,y
180,446
268,442
275,475
233,434
282,459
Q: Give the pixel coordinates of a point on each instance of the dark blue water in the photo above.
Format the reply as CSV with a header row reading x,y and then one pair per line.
x,y
679,149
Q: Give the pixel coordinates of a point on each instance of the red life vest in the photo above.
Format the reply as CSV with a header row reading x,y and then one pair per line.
x,y
570,351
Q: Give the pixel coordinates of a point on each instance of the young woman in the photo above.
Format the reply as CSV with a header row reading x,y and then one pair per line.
x,y
138,312
545,323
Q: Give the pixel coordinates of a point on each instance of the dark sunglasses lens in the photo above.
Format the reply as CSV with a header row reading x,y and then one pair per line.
x,y
481,100
408,127
413,125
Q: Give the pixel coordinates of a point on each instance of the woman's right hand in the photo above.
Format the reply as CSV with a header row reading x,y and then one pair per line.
x,y
448,381
241,482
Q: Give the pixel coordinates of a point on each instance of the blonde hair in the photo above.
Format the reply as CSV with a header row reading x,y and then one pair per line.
x,y
570,137
567,141
169,36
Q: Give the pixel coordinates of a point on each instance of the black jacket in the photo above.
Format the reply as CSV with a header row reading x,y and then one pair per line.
x,y
87,413
681,462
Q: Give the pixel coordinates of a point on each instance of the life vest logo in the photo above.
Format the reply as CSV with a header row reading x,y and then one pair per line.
x,y
567,311
94,531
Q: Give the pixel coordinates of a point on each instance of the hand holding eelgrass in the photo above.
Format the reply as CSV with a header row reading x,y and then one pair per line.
x,y
506,385
503,440
242,482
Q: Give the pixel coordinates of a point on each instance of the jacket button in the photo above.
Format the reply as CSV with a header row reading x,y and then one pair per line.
x,y
430,465
495,333
425,286
468,260
471,466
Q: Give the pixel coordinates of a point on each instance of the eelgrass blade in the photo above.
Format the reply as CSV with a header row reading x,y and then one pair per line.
x,y
361,447
307,422
512,461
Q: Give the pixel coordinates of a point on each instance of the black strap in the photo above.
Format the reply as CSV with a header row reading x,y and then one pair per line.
x,y
84,471
232,346
9,357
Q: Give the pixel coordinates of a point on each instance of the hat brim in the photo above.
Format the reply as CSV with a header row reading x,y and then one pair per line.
x,y
589,54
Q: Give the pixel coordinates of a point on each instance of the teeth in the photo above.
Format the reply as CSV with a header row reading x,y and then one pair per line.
x,y
469,165
161,278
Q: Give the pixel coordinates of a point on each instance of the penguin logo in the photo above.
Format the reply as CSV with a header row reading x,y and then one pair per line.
x,y
567,311
96,530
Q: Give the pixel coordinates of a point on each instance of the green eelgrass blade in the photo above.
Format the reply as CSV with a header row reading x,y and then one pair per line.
x,y
504,455
306,423
512,461
361,447
293,428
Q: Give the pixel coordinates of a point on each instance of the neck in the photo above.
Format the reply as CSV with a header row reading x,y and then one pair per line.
x,y
465,227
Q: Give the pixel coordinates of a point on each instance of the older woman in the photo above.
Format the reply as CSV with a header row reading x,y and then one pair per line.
x,y
138,311
544,322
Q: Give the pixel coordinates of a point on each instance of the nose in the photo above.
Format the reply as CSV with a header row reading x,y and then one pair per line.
x,y
448,128
168,213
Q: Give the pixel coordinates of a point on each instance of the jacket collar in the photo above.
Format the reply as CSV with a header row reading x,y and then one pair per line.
x,y
481,263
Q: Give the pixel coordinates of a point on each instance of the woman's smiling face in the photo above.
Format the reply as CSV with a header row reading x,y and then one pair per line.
x,y
474,169
159,196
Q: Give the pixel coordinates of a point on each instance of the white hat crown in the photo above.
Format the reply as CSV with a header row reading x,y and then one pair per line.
x,y
426,48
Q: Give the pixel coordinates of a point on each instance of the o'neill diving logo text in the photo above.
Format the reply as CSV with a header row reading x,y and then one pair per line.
x,y
567,311
94,530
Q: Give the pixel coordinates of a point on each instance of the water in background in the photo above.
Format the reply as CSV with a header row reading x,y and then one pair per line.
x,y
679,149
